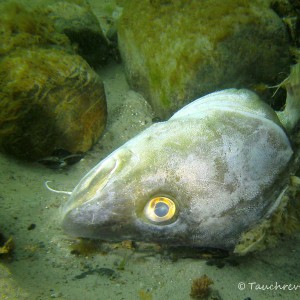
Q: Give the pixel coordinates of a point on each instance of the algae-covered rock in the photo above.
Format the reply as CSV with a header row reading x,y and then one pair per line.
x,y
175,51
83,29
49,99
23,27
61,23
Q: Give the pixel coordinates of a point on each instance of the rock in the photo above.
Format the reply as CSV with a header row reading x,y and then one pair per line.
x,y
83,29
134,108
50,99
175,51
21,27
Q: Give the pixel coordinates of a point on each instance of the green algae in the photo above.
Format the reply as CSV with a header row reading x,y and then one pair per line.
x,y
49,99
22,27
174,44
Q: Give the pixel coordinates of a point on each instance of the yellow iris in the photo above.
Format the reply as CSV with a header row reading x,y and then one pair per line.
x,y
160,209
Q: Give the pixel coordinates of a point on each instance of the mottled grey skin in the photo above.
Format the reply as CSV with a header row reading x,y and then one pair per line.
x,y
222,159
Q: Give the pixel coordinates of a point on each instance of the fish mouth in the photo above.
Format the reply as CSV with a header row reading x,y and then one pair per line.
x,y
91,184
89,190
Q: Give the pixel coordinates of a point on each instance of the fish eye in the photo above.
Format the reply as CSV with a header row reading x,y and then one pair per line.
x,y
160,209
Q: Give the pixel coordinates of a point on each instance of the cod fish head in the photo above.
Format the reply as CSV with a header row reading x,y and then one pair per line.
x,y
202,178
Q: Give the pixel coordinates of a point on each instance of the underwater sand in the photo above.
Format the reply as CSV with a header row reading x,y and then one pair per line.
x,y
44,266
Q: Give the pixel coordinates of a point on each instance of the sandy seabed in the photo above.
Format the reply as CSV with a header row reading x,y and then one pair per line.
x,y
43,265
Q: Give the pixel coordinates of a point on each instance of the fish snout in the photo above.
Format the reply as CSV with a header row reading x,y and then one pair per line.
x,y
88,201
91,184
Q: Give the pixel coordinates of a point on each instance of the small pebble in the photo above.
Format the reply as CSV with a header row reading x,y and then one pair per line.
x,y
31,226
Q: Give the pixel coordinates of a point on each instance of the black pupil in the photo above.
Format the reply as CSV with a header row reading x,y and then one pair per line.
x,y
161,209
